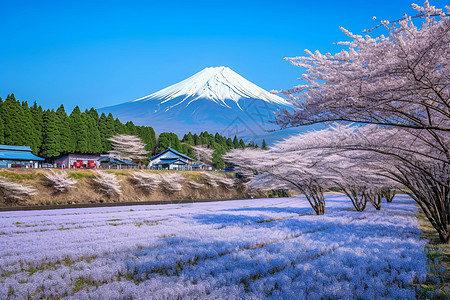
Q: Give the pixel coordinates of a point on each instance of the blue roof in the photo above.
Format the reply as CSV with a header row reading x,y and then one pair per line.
x,y
173,151
19,155
15,148
117,161
168,162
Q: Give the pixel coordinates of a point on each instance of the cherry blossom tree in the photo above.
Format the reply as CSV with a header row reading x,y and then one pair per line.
x,y
375,159
280,169
107,184
204,154
172,182
400,81
60,182
128,147
195,185
216,180
146,182
12,193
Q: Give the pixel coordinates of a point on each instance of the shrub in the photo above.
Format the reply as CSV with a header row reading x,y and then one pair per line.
x,y
106,184
215,180
195,185
60,182
146,182
171,182
12,193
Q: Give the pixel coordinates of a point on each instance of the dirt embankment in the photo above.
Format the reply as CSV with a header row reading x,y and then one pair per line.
x,y
85,192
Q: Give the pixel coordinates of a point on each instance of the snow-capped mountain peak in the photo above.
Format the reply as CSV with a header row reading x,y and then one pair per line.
x,y
217,84
215,99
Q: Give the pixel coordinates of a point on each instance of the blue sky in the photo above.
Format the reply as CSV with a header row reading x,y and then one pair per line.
x,y
100,53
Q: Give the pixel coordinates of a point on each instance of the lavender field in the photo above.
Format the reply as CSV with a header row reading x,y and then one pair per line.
x,y
252,249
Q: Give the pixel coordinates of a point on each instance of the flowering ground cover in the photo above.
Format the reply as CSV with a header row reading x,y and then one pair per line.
x,y
261,248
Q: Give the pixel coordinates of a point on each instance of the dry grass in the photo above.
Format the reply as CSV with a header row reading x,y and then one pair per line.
x,y
438,259
84,193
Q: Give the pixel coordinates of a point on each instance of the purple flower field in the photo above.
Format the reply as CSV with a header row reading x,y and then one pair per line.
x,y
261,248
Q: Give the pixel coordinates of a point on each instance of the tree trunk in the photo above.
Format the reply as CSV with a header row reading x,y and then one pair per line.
x,y
444,238
434,199
320,208
315,197
375,199
388,195
359,199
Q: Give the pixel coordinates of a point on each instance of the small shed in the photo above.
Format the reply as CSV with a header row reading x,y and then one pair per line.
x,y
18,157
202,167
115,163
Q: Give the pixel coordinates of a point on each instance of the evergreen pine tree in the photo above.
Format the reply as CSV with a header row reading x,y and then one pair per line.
x,y
196,139
131,128
217,158
2,127
50,142
176,144
188,150
94,142
167,139
66,142
236,143
37,114
13,121
79,131
148,136
242,143
264,145
94,115
106,128
2,131
188,139
229,143
29,129
163,141
119,128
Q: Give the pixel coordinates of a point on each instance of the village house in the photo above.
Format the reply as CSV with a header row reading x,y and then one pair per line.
x,y
77,161
170,159
18,157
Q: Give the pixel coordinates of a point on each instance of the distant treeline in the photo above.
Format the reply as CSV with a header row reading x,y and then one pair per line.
x,y
219,143
50,133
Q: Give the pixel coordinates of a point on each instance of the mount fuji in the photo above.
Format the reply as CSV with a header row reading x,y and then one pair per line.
x,y
216,99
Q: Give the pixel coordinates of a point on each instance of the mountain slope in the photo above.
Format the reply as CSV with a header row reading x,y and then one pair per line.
x,y
215,99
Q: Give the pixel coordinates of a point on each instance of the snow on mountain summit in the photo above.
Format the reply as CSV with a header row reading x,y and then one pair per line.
x,y
217,84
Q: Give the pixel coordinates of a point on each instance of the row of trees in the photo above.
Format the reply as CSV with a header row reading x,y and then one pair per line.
x,y
317,161
399,84
218,143
50,133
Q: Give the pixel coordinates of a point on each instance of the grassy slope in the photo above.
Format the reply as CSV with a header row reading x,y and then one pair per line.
x,y
85,193
438,279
